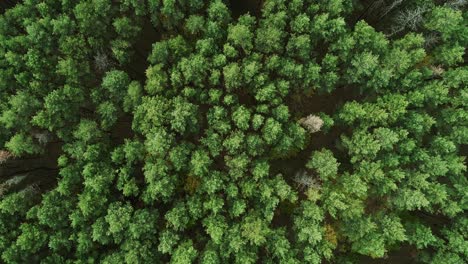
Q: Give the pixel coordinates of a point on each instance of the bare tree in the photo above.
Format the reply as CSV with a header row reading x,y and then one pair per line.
x,y
42,137
102,61
375,6
306,181
389,8
437,70
431,39
456,4
312,123
408,19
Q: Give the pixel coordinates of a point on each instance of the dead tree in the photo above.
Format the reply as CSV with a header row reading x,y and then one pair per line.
x,y
456,4
390,8
305,181
312,123
408,19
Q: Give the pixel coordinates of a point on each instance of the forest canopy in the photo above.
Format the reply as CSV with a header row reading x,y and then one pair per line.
x,y
217,131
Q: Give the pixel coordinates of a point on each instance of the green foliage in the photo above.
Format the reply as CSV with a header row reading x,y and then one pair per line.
x,y
184,253
178,131
21,144
324,163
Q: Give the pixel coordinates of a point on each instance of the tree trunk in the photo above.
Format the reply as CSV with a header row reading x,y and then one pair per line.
x,y
38,171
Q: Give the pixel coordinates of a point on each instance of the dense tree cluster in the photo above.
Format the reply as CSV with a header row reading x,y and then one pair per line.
x,y
202,149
